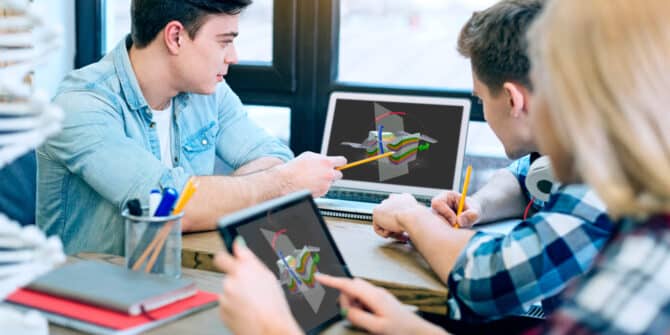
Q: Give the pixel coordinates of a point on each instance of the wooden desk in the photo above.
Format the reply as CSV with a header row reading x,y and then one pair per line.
x,y
394,266
205,322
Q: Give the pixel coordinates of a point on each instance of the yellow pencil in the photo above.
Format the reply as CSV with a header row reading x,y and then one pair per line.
x,y
363,161
186,195
464,194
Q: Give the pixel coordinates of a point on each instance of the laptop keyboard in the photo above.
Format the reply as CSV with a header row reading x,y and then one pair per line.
x,y
374,198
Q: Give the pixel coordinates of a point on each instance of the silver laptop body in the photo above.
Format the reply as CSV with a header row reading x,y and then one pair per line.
x,y
426,134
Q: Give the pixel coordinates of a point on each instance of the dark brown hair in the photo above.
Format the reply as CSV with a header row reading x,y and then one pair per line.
x,y
495,41
149,17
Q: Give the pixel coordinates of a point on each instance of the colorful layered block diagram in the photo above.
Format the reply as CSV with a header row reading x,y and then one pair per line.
x,y
297,267
390,135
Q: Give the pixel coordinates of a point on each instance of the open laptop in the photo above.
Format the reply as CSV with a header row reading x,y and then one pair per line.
x,y
291,238
427,134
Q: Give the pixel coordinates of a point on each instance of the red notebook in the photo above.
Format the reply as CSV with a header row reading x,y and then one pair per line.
x,y
107,318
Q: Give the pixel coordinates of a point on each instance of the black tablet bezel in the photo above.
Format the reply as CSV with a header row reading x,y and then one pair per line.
x,y
227,227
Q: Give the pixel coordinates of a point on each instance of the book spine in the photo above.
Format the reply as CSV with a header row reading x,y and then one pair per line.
x,y
74,295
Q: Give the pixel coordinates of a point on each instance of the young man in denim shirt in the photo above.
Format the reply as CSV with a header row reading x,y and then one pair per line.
x,y
154,112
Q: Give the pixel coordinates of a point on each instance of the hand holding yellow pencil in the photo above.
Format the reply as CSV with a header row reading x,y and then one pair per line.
x,y
464,194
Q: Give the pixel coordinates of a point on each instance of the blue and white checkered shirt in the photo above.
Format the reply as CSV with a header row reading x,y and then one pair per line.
x,y
498,275
627,291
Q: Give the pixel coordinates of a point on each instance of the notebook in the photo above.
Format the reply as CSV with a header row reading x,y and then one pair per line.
x,y
427,134
97,320
291,238
113,287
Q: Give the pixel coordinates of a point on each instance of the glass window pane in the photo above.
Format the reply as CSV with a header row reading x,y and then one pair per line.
x,y
408,43
255,40
254,43
117,22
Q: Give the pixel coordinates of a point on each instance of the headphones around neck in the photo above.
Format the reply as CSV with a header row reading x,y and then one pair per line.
x,y
540,180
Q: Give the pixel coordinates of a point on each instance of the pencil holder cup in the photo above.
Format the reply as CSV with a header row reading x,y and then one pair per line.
x,y
153,244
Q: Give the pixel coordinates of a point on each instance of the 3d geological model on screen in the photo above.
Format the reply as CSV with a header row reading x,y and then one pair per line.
x,y
390,135
297,267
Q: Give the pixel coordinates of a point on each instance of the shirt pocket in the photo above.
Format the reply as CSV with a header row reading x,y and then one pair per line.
x,y
199,149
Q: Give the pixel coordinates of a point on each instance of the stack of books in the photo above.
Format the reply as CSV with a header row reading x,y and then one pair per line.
x,y
103,298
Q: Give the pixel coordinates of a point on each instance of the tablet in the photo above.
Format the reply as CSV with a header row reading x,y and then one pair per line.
x,y
289,235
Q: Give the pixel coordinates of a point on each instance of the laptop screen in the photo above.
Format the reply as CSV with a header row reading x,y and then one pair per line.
x,y
290,237
427,135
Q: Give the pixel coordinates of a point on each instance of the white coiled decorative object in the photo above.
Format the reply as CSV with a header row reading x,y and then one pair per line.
x,y
26,120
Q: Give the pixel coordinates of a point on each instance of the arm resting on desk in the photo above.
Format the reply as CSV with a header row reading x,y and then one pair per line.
x,y
219,195
439,243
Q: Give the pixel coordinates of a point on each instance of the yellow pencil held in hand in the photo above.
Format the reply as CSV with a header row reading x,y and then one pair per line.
x,y
464,194
363,161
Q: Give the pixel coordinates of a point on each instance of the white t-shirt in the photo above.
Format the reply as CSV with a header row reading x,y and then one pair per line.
x,y
163,120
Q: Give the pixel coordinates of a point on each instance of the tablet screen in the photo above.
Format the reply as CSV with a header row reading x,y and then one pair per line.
x,y
294,243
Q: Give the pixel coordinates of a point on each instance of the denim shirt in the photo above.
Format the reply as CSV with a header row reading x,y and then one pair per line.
x,y
109,152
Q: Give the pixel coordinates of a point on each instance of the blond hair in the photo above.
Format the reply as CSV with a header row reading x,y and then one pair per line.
x,y
602,67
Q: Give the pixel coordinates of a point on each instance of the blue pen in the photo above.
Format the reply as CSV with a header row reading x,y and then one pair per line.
x,y
170,196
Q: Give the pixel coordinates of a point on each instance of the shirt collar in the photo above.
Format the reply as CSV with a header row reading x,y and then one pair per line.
x,y
129,86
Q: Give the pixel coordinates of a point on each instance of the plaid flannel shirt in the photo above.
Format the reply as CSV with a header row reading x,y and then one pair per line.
x,y
628,289
498,275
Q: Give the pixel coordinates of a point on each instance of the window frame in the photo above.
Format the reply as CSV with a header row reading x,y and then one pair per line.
x,y
90,38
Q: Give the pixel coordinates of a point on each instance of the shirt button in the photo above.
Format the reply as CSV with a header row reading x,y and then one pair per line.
x,y
152,125
176,160
204,142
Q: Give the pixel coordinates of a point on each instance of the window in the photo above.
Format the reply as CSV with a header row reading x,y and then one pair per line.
x,y
405,43
117,19
255,41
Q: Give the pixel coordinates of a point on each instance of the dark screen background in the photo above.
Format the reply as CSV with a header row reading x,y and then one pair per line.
x,y
303,228
433,168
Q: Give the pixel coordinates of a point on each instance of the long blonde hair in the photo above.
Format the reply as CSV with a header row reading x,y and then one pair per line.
x,y
603,69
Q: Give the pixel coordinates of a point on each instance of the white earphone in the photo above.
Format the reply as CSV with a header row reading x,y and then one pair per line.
x,y
540,180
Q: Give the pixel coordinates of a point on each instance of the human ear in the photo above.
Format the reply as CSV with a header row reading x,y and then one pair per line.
x,y
516,98
172,36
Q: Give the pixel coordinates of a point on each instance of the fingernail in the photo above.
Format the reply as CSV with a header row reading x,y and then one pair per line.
x,y
239,240
344,312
